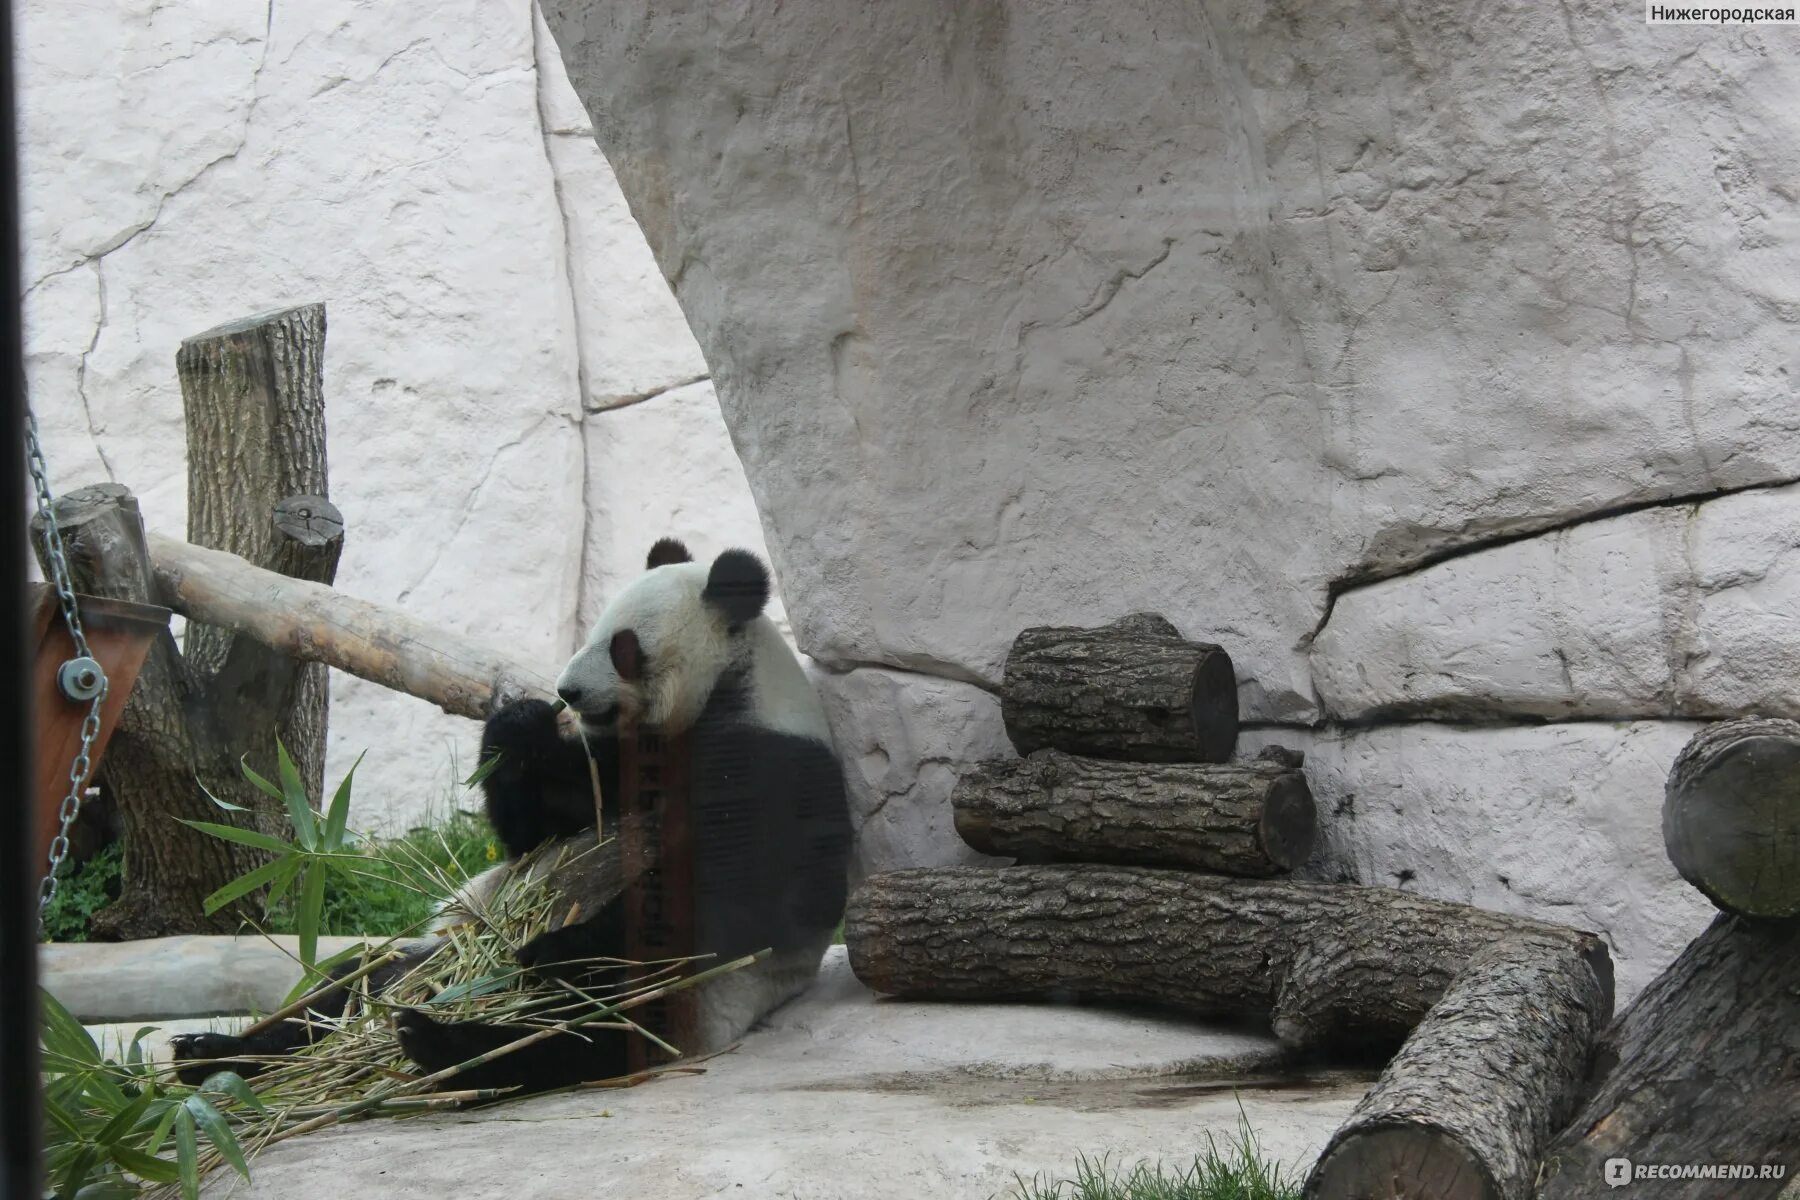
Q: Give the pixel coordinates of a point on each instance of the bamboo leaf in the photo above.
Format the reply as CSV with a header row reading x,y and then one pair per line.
x,y
147,1167
171,1108
112,1187
339,813
63,1034
243,837
187,1153
230,1083
122,1122
311,910
77,1172
258,782
218,1133
279,888
243,884
487,767
227,805
311,979
294,795
481,986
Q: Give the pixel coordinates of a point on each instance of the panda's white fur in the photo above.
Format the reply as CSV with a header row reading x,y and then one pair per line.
x,y
665,608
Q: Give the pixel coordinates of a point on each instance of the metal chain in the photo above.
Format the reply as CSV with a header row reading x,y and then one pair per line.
x,y
90,725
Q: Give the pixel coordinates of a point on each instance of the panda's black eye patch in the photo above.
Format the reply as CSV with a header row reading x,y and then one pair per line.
x,y
627,655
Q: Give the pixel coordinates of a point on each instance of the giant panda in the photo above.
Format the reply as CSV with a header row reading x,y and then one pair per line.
x,y
685,649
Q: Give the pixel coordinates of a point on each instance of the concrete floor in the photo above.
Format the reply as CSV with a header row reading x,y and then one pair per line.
x,y
845,1094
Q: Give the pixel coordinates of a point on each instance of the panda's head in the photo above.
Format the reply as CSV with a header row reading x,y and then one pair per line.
x,y
661,646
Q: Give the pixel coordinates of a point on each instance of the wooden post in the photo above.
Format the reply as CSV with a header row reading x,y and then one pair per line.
x,y
254,396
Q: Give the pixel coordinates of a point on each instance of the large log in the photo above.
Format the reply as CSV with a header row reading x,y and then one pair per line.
x,y
1731,816
1703,1070
1251,819
1329,965
314,623
253,394
1135,689
1464,1110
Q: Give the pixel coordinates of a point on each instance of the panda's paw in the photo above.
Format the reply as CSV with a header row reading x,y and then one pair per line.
x,y
428,1042
522,729
206,1054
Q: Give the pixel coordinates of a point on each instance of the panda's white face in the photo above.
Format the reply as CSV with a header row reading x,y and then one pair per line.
x,y
661,645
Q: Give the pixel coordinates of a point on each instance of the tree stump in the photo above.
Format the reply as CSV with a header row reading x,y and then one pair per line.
x,y
1464,1110
1731,816
1329,965
1252,819
163,741
253,392
1702,1070
1135,689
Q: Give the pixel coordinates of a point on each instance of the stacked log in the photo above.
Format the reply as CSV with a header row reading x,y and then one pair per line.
x,y
1699,1080
1150,869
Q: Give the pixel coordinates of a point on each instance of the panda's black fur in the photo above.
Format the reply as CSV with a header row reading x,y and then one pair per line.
x,y
676,652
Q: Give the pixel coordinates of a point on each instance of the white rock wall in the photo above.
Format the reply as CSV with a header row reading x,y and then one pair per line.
x,y
1268,317
427,172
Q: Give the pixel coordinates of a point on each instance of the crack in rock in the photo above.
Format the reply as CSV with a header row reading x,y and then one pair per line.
x,y
1368,578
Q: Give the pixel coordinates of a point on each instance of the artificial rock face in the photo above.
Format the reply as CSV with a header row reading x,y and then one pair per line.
x,y
511,392
1026,314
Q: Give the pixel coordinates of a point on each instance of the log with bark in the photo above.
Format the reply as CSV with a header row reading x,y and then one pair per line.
x,y
1731,816
1135,689
1253,819
253,396
1465,1109
172,732
314,623
1329,965
1702,1069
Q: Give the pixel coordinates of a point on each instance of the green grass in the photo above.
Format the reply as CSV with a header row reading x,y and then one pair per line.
x,y
378,899
81,891
1237,1171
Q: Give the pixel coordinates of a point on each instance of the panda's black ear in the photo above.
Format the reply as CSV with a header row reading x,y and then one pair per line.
x,y
667,551
738,586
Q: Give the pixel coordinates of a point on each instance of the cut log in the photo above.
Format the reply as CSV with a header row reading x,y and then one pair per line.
x,y
1329,965
1251,819
1465,1109
1135,689
314,623
156,753
1731,816
253,392
1703,1069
